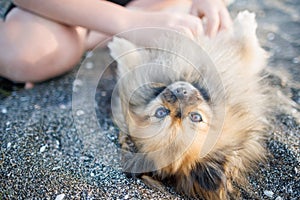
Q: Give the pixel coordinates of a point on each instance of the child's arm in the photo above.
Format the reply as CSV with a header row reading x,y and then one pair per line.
x,y
107,17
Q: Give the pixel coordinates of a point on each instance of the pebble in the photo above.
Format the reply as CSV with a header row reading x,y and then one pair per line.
x,y
89,54
24,98
8,145
4,110
37,107
80,112
89,65
57,144
279,198
56,168
268,193
77,82
60,197
295,60
271,36
62,106
43,148
75,89
103,93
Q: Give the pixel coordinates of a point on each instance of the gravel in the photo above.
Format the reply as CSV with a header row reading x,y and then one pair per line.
x,y
45,152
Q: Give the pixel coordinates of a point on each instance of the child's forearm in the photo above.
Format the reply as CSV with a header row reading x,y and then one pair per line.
x,y
109,18
96,15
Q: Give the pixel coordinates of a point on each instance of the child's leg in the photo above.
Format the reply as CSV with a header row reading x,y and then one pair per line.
x,y
35,49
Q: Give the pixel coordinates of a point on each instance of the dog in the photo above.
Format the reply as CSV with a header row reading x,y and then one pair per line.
x,y
198,123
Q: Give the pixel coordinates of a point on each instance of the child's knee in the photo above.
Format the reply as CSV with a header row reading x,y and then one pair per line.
x,y
16,66
23,66
38,49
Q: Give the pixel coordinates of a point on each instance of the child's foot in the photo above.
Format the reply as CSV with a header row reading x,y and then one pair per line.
x,y
29,85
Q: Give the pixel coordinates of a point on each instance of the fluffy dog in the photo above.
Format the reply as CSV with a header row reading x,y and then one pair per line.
x,y
195,121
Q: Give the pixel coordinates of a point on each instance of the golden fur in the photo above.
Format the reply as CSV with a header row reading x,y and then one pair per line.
x,y
159,93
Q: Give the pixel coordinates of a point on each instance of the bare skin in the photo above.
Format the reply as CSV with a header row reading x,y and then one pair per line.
x,y
215,12
43,39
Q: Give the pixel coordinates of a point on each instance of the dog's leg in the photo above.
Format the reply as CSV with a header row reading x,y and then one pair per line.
x,y
124,141
152,183
252,55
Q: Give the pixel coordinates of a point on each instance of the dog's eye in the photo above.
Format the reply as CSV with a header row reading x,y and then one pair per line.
x,y
195,117
161,112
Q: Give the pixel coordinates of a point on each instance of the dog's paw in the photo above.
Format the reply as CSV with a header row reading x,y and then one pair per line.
x,y
245,24
247,19
152,183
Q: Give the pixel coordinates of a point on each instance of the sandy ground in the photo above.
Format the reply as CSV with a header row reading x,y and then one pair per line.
x,y
50,151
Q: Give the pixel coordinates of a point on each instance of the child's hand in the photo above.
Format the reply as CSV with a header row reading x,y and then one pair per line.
x,y
215,12
185,23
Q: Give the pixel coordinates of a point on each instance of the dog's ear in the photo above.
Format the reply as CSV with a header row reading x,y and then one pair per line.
x,y
126,54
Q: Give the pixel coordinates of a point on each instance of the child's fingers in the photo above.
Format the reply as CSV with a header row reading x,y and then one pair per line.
x,y
225,19
213,22
189,25
196,27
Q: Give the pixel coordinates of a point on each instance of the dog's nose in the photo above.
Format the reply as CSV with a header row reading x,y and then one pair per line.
x,y
180,92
